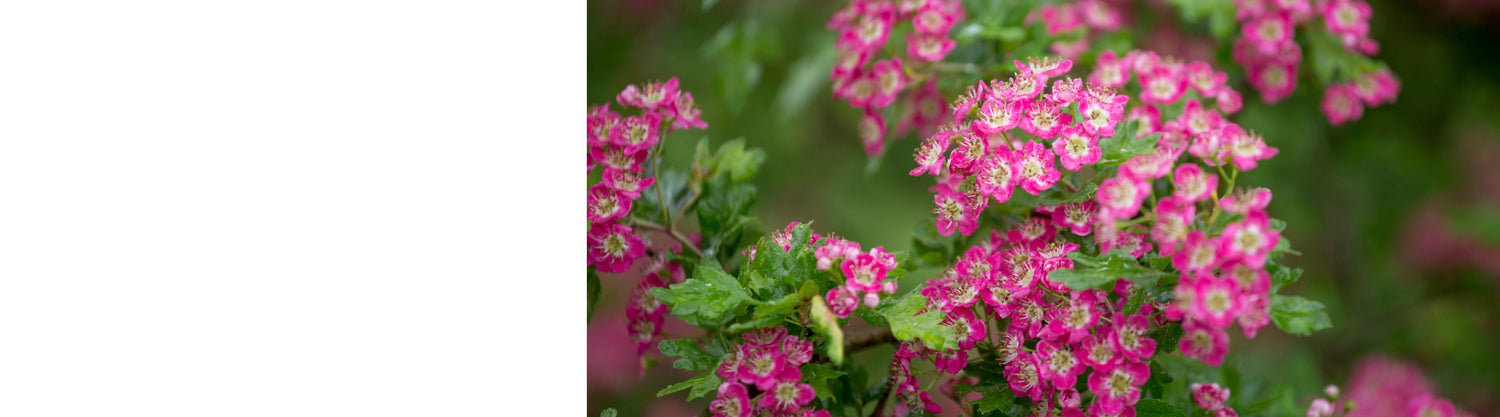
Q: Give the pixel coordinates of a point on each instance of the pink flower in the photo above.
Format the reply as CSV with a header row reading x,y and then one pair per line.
x,y
1199,120
642,302
1066,91
1023,375
1076,216
1020,87
1209,396
1274,81
649,96
1147,166
834,251
1121,197
1119,389
1320,407
1250,240
1132,239
1244,200
1377,87
1430,406
1099,15
1147,116
733,401
857,89
951,361
625,183
965,102
1057,364
867,271
787,394
1349,19
966,327
1216,301
1162,85
929,48
934,19
970,150
929,156
1028,313
954,211
1203,78
1131,337
1269,32
1244,149
869,29
1191,184
1229,101
1199,254
1058,18
996,175
1251,280
888,82
636,133
872,132
1075,147
1045,119
1099,352
644,331
1074,318
1044,66
601,122
1099,116
762,366
1255,312
1035,168
606,205
842,301
768,337
1341,103
1033,230
1203,342
997,116
1110,71
613,247
686,113
618,157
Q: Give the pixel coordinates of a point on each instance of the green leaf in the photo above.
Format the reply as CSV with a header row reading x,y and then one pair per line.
x,y
1056,195
873,317
705,299
827,325
996,397
723,214
1166,337
703,164
693,357
789,269
755,323
673,185
609,412
701,385
594,289
787,304
1097,271
1282,276
1125,145
1151,407
1298,316
817,375
734,160
906,324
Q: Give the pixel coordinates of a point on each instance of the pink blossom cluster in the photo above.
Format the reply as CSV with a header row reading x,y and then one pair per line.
x,y
866,81
621,144
1223,278
763,376
1016,137
1086,335
865,274
1385,387
644,313
1089,16
1212,398
1271,57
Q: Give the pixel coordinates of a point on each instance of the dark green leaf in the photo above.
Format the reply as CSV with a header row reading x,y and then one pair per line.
x,y
1282,276
755,323
723,214
1166,337
1097,271
906,324
788,269
996,398
705,299
1057,195
701,385
1298,316
817,375
1151,407
693,357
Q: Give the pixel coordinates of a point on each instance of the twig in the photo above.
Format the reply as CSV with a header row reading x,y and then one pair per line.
x,y
673,233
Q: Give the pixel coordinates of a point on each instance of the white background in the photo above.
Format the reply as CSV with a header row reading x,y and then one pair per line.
x,y
291,208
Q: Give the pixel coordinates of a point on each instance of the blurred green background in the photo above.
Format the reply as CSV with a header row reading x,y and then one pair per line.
x,y
1395,214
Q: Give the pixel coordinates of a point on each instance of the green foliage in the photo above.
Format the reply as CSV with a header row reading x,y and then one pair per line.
x,y
723,214
608,412
704,299
1282,276
673,185
817,375
1167,337
701,385
1097,271
1125,145
997,397
594,289
906,324
1298,316
1151,407
827,325
692,357
738,163
1218,13
786,269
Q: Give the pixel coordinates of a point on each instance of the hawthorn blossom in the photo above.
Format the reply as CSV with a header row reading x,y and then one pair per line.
x,y
1119,389
1035,168
1203,342
733,401
1191,184
649,96
996,176
1209,397
613,247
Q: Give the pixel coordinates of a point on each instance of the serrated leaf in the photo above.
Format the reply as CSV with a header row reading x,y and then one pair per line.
x,y
827,325
786,268
1298,316
873,317
1166,337
701,385
692,357
1097,271
907,324
594,289
723,214
1057,195
1151,407
705,299
738,163
1282,276
996,398
817,375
